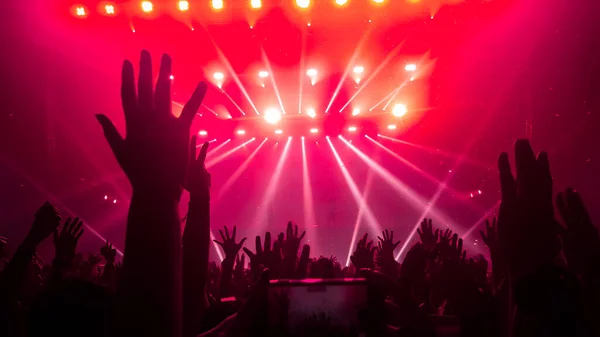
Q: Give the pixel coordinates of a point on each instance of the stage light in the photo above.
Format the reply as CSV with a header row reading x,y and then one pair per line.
x,y
217,4
171,77
355,111
202,133
278,131
378,1
272,115
352,129
399,110
115,201
391,127
410,67
255,4
147,6
314,130
183,5
341,2
219,76
311,113
303,3
263,74
312,72
358,69
109,9
240,132
80,11
105,197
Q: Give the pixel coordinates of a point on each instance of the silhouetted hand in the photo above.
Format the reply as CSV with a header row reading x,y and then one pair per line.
x,y
267,257
228,243
154,152
65,242
387,244
291,242
428,237
581,243
47,219
363,255
527,230
198,179
302,269
489,237
108,252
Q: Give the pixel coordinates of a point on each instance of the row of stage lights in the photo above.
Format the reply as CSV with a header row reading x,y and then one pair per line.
x,y
111,9
273,116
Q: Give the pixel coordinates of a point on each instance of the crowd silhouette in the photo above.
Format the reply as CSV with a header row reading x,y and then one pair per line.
x,y
543,277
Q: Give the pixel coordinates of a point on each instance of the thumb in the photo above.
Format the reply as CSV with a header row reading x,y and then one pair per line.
x,y
111,133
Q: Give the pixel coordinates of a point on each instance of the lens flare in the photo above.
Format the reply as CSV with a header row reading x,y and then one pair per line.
x,y
183,5
272,115
399,110
147,6
303,3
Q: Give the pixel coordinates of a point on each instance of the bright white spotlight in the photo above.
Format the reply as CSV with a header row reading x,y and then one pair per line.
x,y
278,131
263,74
303,3
217,4
109,9
183,5
410,67
355,111
358,69
378,1
391,127
311,113
352,129
241,132
80,11
312,72
202,133
399,110
341,2
272,116
256,4
147,6
314,130
219,76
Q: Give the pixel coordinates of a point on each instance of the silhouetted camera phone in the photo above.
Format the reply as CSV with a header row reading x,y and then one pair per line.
x,y
317,302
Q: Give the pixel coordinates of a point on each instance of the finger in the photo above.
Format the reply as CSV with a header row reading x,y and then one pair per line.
x,y
77,227
577,207
242,242
304,256
79,234
380,239
222,236
483,237
227,233
526,165
191,107
128,94
302,236
233,233
258,245
289,231
66,225
387,235
248,252
202,154
296,230
280,237
162,96
454,240
460,245
267,241
430,225
391,235
145,82
437,233
369,244
508,187
112,135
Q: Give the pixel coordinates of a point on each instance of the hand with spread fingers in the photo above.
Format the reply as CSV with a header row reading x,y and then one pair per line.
x,y
154,152
230,247
426,233
364,253
65,242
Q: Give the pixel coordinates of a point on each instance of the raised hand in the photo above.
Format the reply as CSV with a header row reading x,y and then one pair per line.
x,y
228,244
489,237
292,241
47,219
363,255
65,242
527,230
446,236
387,244
580,239
266,258
198,179
154,152
428,237
108,252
